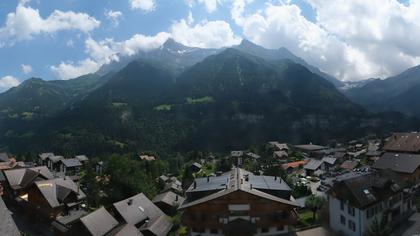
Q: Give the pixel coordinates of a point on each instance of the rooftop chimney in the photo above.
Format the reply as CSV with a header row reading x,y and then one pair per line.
x,y
130,201
251,186
195,185
176,197
275,177
208,179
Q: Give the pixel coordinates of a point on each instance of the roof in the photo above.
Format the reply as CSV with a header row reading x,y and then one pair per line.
x,y
10,164
56,191
159,226
365,190
293,164
238,180
99,222
349,165
310,147
313,164
147,158
196,164
281,154
329,160
82,158
44,156
7,224
279,146
404,163
403,142
125,230
72,162
253,155
169,198
339,155
4,157
21,178
55,158
237,153
137,209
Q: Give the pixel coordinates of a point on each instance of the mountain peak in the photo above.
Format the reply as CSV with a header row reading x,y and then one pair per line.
x,y
173,45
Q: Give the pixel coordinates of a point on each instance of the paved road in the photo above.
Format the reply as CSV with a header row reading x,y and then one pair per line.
x,y
314,186
411,227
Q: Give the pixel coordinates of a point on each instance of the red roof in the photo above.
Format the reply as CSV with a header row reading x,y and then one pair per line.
x,y
293,164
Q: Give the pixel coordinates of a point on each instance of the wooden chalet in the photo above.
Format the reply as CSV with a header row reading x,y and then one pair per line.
x,y
239,203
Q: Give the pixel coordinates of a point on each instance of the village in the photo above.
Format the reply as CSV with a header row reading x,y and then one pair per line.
x,y
368,186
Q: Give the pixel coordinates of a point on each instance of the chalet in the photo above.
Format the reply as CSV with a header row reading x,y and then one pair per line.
x,y
11,164
82,158
54,163
355,202
281,155
328,163
7,224
403,143
168,202
55,197
71,166
279,146
252,155
147,158
140,212
310,149
312,166
99,168
407,166
195,167
18,181
349,164
237,157
239,203
43,158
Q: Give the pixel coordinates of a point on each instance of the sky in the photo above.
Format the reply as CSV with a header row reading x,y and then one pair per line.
x,y
351,40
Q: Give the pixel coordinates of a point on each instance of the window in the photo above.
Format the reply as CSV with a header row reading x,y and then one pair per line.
x,y
280,228
352,225
264,230
343,220
350,210
342,206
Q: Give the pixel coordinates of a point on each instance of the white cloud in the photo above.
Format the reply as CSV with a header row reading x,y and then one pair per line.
x,y
26,69
114,17
7,82
144,5
211,5
26,22
350,39
206,34
70,70
105,51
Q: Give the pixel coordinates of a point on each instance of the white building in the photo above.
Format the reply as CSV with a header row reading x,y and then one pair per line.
x,y
355,202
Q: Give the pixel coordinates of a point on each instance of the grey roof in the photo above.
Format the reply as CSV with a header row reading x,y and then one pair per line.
x,y
169,198
313,164
339,155
55,191
137,209
159,226
237,153
253,155
365,190
21,178
196,164
99,222
82,158
72,162
403,142
44,156
310,147
125,230
4,157
405,163
55,158
268,182
7,224
236,180
329,160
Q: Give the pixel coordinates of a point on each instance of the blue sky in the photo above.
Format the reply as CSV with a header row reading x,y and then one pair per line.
x,y
63,39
